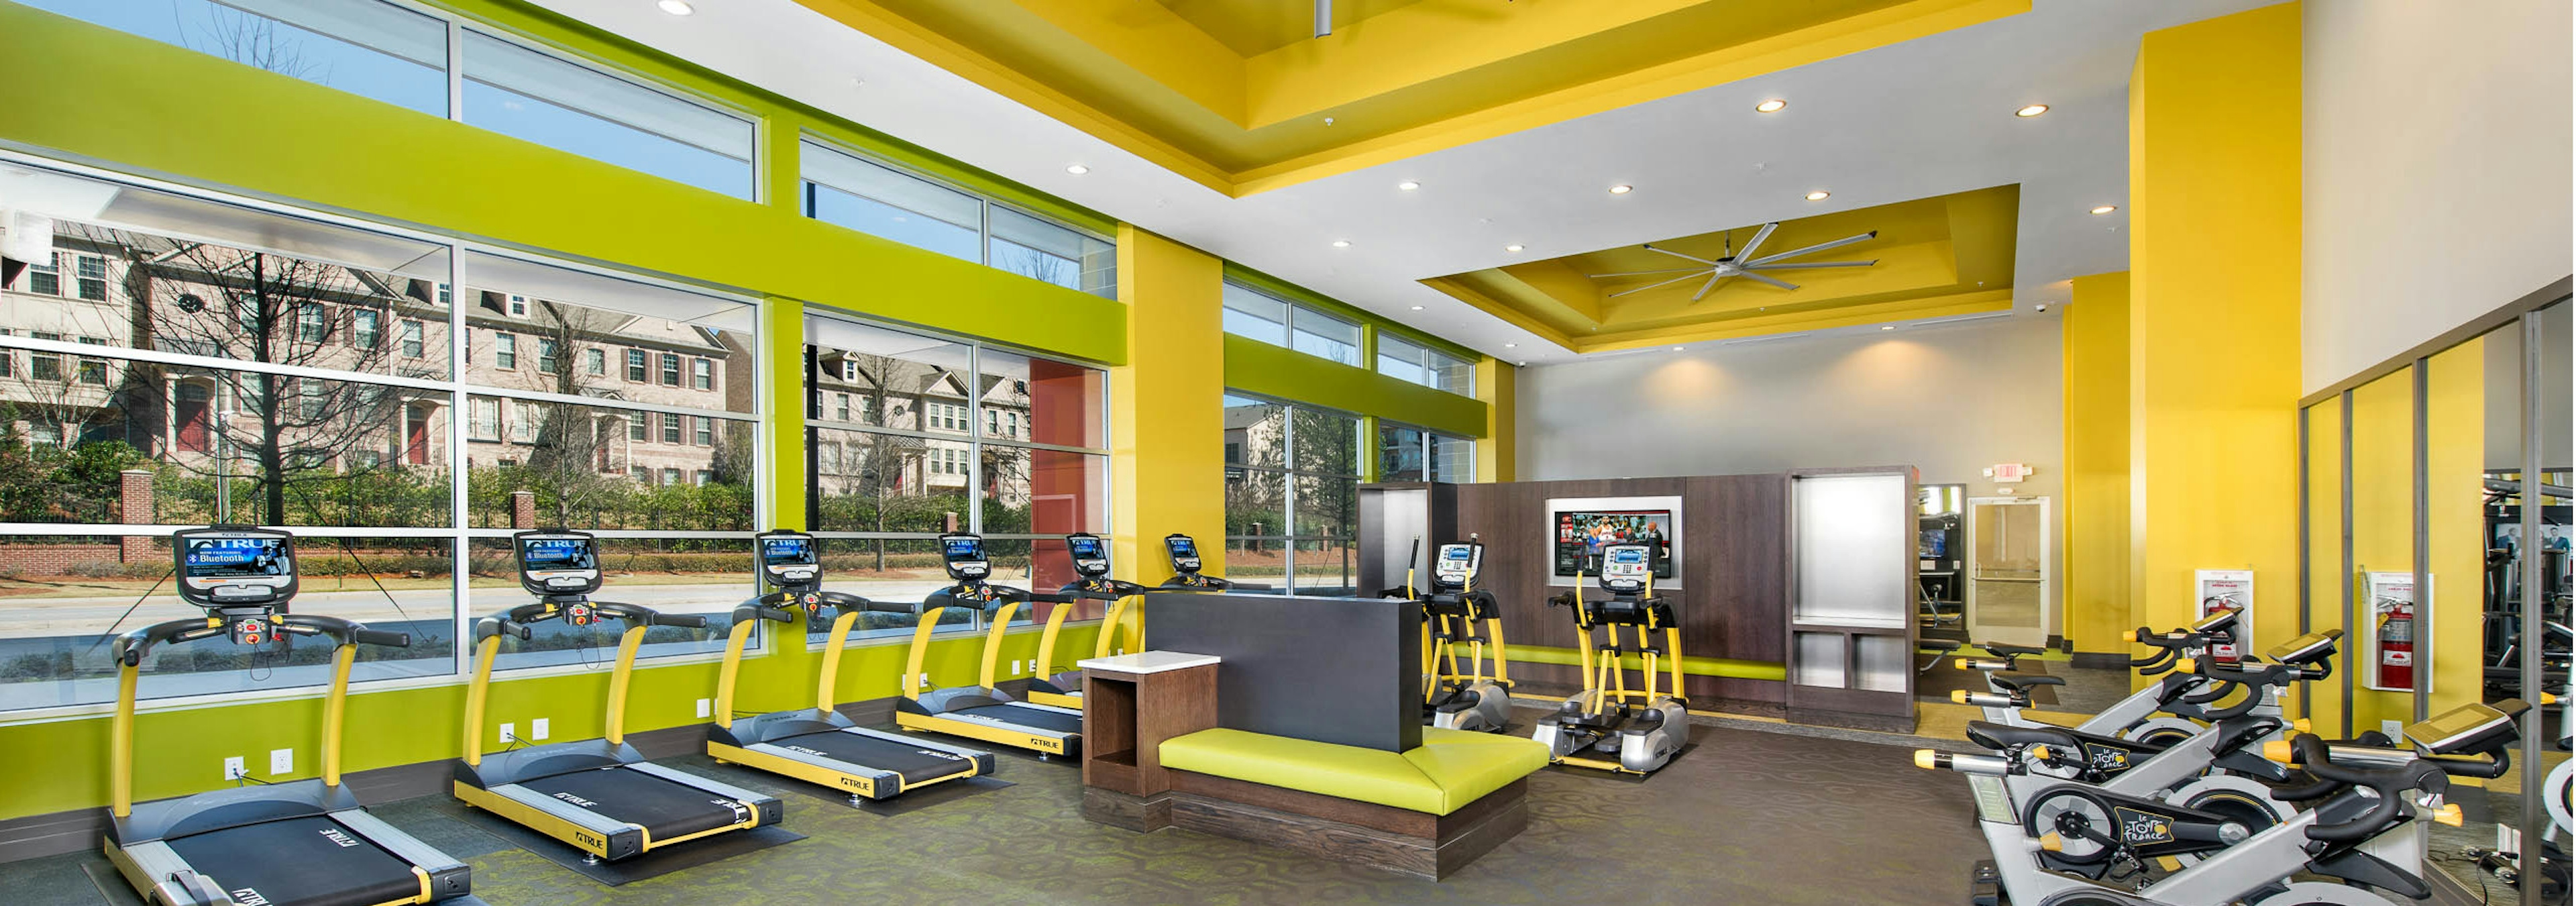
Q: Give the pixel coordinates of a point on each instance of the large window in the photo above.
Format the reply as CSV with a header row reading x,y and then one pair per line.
x,y
399,56
1411,362
901,448
1253,314
1413,454
229,366
848,190
1291,495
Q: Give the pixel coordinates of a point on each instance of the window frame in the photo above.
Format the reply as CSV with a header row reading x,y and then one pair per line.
x,y
1289,476
986,203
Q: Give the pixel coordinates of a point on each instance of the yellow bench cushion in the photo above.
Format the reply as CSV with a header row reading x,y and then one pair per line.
x,y
1451,769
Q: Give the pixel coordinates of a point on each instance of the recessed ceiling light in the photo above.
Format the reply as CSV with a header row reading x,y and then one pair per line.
x,y
1887,327
1408,185
2031,111
676,7
1511,346
1077,169
1622,189
2105,209
1514,247
1341,243
1770,106
1417,308
1677,349
1818,195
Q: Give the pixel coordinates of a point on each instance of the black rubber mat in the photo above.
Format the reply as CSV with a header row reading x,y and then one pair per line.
x,y
652,864
299,860
914,763
1051,721
664,808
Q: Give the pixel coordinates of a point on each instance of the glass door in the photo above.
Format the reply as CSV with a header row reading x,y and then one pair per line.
x,y
2008,570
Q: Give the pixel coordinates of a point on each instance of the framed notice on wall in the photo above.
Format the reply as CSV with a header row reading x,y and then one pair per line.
x,y
2226,590
2389,635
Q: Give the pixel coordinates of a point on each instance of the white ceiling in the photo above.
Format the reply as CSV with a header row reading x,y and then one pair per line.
x,y
1922,118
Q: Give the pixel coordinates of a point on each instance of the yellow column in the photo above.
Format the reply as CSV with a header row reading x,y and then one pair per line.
x,y
2214,313
1167,436
768,682
1497,455
2096,330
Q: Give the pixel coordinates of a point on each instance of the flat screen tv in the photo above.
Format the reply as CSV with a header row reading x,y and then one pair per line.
x,y
1581,534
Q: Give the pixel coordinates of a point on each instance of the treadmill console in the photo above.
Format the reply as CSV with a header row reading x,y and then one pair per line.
x,y
557,564
964,556
242,574
1454,566
1184,553
1627,568
1090,555
790,561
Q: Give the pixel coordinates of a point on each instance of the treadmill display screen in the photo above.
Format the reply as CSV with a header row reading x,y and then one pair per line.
x,y
1181,548
965,549
237,558
1458,554
538,554
787,552
1086,548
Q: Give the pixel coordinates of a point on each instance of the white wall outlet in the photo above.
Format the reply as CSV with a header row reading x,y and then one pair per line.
x,y
233,769
509,733
281,762
925,681
705,708
2394,729
537,729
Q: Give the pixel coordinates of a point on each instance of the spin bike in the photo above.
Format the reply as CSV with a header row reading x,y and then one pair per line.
x,y
1607,725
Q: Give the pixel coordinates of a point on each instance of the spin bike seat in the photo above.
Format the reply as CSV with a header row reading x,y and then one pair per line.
x,y
2003,736
2024,682
2011,650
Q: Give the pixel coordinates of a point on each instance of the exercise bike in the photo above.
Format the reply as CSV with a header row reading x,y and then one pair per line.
x,y
2133,717
1451,614
1607,725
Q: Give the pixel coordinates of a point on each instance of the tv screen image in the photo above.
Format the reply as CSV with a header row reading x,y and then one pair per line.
x,y
1581,534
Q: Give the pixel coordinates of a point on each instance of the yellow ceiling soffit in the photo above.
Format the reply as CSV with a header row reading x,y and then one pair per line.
x,y
1821,319
1415,79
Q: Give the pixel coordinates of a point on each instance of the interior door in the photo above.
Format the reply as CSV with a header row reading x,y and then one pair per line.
x,y
2008,581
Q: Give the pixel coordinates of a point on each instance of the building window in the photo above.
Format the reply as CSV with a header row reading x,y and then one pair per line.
x,y
46,279
311,324
1255,315
92,275
706,432
549,356
376,50
705,476
8,359
1414,363
523,422
412,345
670,476
93,372
365,330
943,416
847,190
635,429
670,370
45,366
702,374
483,420
642,475
1291,495
518,306
505,350
840,407
635,366
849,369
311,397
572,107
594,362
670,428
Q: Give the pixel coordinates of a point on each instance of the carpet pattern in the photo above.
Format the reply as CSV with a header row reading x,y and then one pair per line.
x,y
1749,817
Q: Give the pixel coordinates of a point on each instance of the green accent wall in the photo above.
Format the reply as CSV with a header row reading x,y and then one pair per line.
x,y
1692,666
1253,366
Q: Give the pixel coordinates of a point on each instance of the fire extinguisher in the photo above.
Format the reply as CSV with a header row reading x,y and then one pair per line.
x,y
2396,644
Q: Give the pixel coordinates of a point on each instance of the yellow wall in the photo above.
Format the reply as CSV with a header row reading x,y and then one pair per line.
x,y
1167,405
2214,338
1497,456
2455,435
2096,332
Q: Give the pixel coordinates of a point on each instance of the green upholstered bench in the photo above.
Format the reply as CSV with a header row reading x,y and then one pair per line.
x,y
1426,811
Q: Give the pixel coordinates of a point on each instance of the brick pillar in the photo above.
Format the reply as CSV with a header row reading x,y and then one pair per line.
x,y
523,509
134,507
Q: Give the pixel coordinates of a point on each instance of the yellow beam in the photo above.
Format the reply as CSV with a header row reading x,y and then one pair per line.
x,y
1497,454
2096,329
1167,404
1819,319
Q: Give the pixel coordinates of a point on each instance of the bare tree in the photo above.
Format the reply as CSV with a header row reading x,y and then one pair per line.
x,y
572,443
252,40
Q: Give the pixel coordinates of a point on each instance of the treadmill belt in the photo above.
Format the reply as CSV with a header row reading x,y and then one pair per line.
x,y
305,861
665,809
913,763
1052,721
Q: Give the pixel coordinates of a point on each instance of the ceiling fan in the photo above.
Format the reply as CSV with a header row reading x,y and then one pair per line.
x,y
1742,264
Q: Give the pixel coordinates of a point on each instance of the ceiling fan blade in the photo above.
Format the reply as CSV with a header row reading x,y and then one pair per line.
x,y
1783,284
1669,270
1818,247
1791,265
1758,236
1649,286
1650,247
1713,277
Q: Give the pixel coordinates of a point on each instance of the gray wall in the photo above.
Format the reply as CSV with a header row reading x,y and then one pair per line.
x,y
1949,400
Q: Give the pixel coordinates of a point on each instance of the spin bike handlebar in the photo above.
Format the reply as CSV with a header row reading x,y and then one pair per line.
x,y
2390,783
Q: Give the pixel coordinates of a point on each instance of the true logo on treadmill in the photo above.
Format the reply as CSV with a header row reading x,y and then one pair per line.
x,y
576,800
249,897
334,835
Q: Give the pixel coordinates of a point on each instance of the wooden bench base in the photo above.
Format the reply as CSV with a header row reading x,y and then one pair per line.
x,y
1343,830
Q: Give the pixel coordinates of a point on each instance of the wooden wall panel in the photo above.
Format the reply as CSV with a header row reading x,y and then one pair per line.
x,y
1744,613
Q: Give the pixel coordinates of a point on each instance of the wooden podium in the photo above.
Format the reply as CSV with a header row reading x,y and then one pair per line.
x,y
1130,704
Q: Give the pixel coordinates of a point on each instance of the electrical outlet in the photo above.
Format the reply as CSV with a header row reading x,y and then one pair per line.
x,y
281,762
705,708
537,729
509,733
925,681
233,769
2395,730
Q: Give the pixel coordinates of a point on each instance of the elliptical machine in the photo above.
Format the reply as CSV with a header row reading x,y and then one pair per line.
x,y
1607,725
1453,699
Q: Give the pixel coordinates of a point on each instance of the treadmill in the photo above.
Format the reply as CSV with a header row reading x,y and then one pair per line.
x,y
818,744
1184,554
599,795
1090,553
298,842
980,711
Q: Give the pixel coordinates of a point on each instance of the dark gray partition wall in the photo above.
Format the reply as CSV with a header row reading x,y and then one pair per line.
x,y
1338,670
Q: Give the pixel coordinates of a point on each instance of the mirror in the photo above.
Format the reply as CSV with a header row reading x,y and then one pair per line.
x,y
1941,604
2381,643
